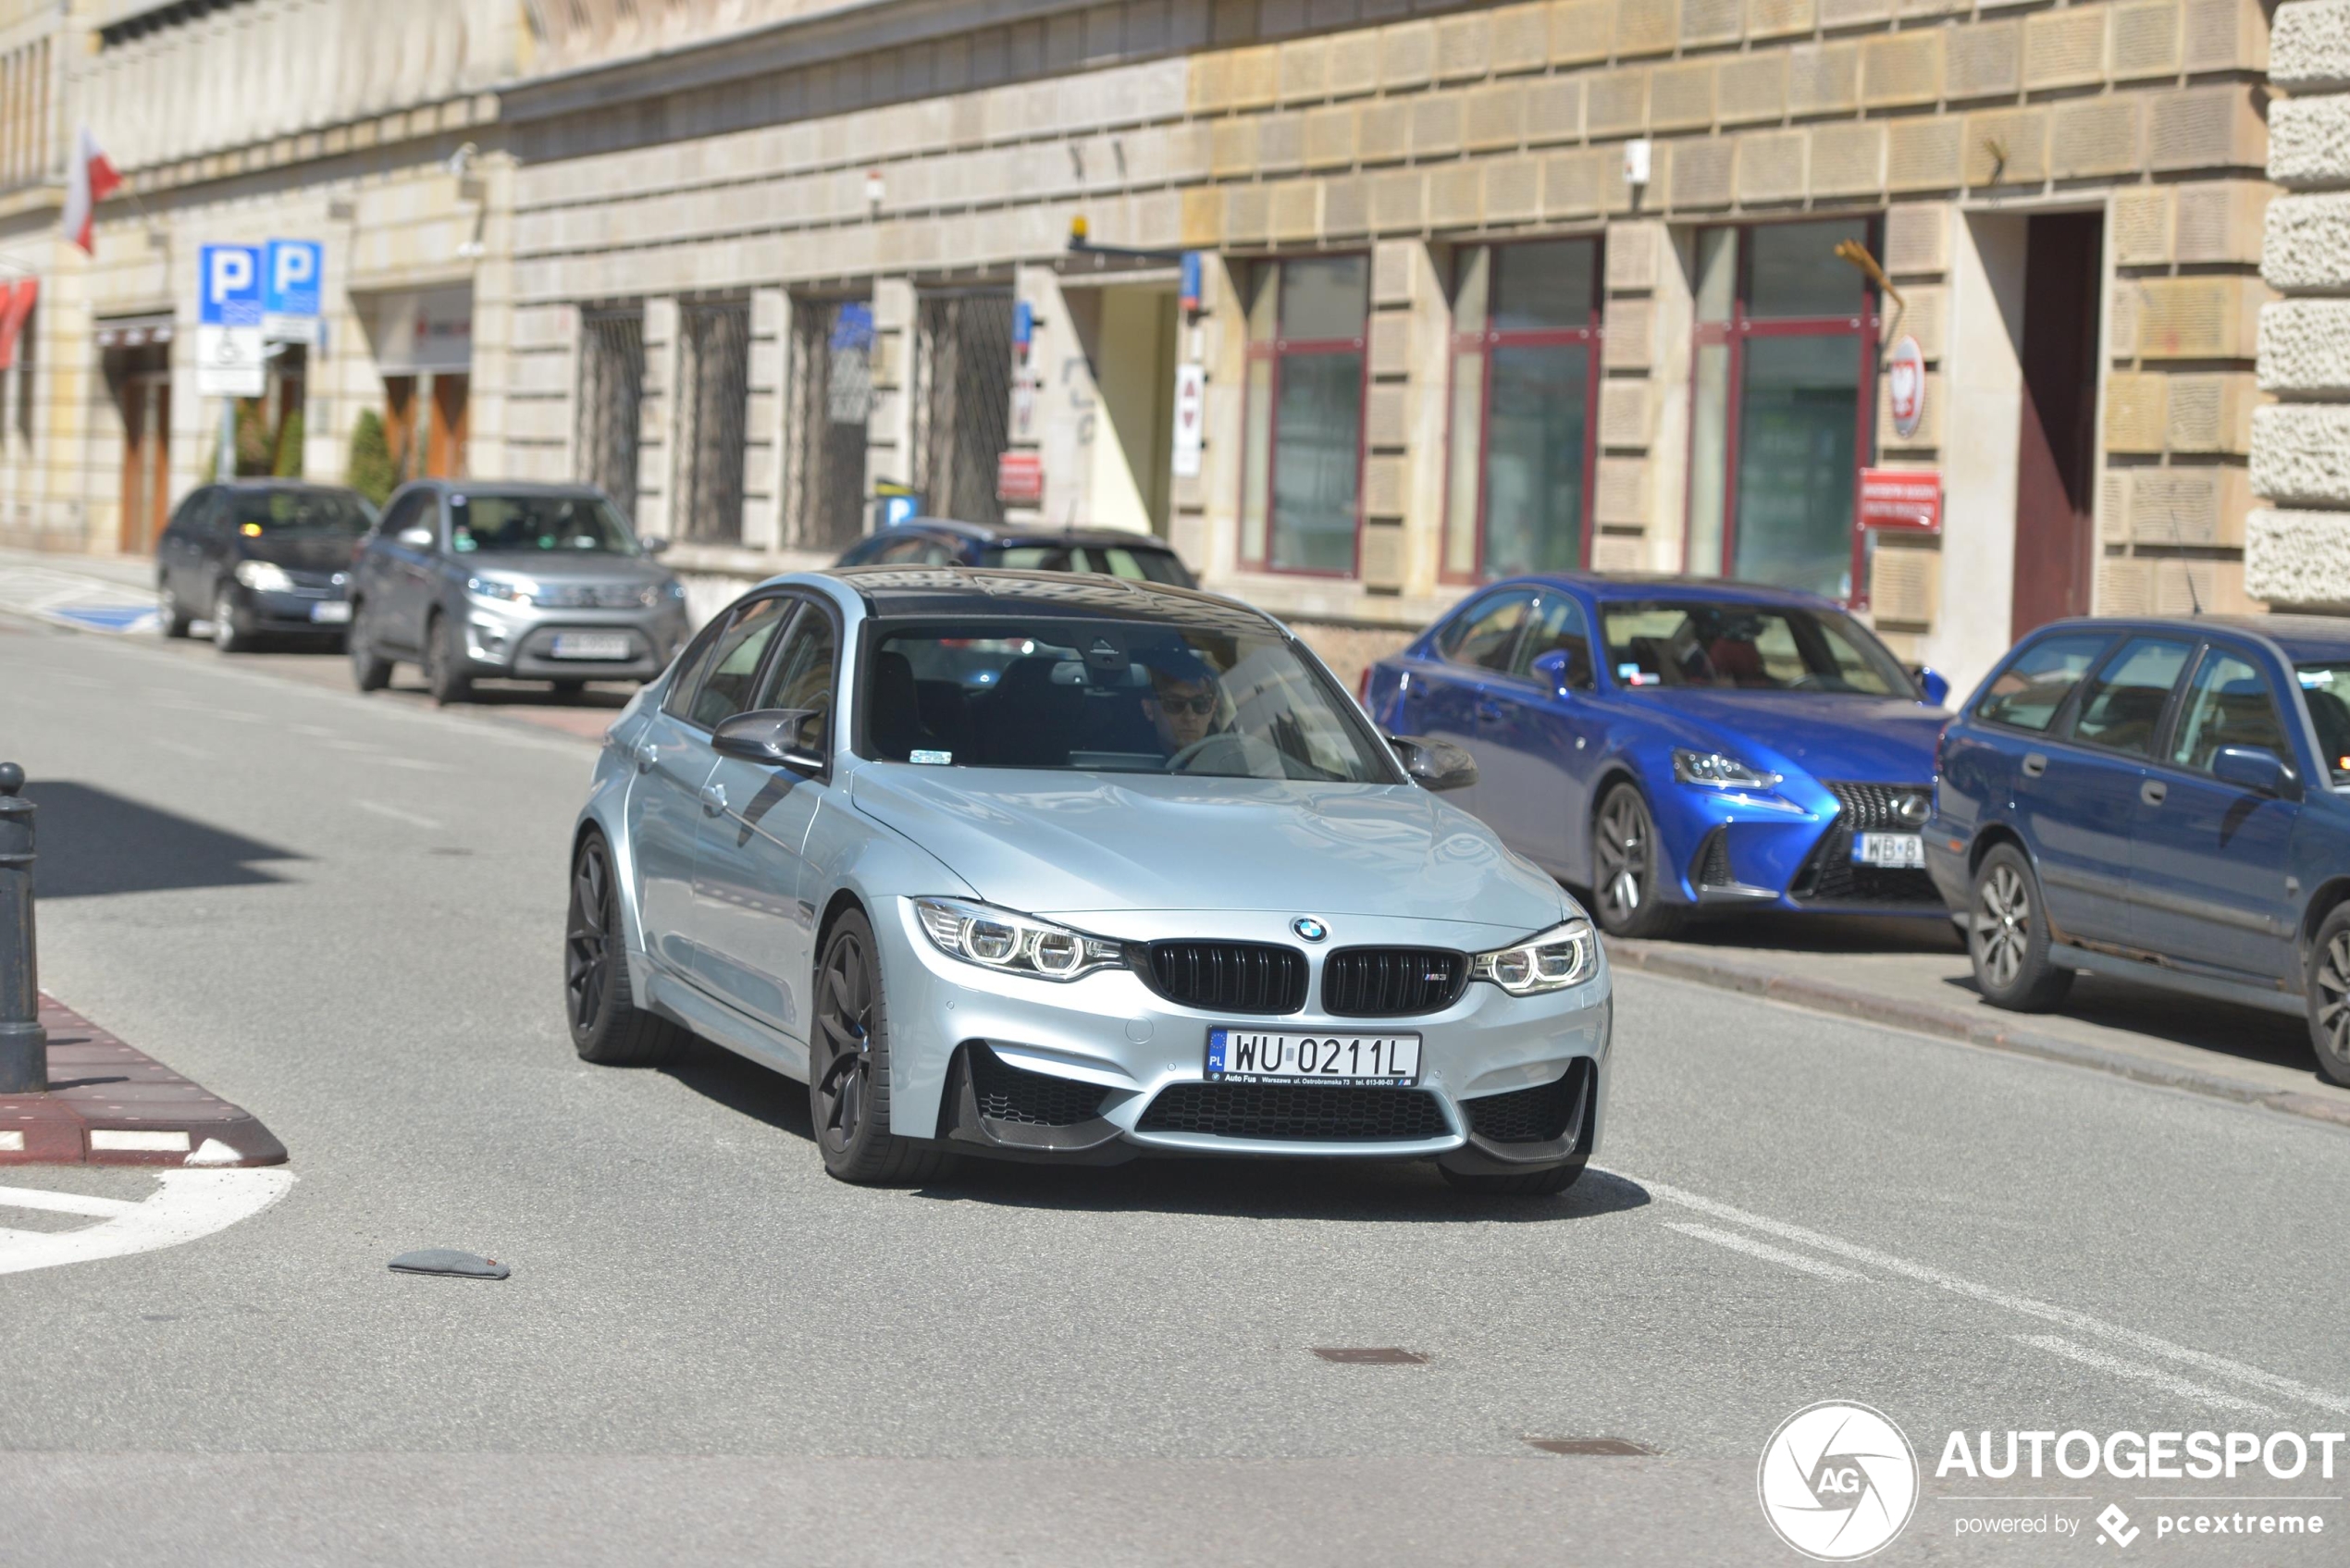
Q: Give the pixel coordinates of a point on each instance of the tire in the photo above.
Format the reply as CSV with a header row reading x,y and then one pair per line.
x,y
607,1027
369,670
2328,990
225,634
445,670
1518,1184
849,1067
2007,935
173,617
1624,872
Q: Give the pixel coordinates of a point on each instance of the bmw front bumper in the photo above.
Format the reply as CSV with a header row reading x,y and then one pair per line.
x,y
1029,1068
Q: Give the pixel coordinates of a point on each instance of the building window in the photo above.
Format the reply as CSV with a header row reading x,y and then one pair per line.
x,y
1781,397
713,366
611,392
963,400
830,398
1302,453
1526,370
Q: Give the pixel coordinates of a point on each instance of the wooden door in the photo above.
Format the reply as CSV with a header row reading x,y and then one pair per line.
x,y
146,459
400,426
2056,538
445,455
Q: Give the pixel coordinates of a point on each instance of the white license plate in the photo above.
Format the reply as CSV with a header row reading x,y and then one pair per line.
x,y
1892,850
330,611
590,645
1248,1055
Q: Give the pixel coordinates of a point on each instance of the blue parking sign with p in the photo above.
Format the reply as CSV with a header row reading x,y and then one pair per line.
x,y
228,286
289,276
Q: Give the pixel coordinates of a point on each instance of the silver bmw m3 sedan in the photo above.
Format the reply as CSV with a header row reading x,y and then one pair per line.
x,y
1065,868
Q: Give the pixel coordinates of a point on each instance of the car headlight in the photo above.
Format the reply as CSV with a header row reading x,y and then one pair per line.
x,y
1016,944
491,588
673,589
264,576
1721,772
1551,960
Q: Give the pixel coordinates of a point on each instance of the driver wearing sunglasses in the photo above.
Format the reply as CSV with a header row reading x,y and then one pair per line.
x,y
1184,696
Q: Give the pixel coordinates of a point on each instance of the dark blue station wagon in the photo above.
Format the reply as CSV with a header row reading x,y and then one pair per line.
x,y
2159,800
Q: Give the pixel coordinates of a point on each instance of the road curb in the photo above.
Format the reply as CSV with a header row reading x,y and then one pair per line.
x,y
1953,1023
112,1103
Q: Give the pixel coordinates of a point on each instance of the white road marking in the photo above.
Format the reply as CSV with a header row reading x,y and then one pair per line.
x,y
2065,1317
396,814
1775,1254
418,764
187,1205
62,1202
2141,1373
339,744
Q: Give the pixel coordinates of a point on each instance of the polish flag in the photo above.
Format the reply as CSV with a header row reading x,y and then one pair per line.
x,y
92,182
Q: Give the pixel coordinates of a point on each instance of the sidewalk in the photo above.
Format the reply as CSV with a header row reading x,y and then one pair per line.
x,y
1915,975
111,1103
103,593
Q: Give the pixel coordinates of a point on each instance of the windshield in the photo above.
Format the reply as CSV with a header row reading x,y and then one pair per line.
x,y
1123,697
1748,647
2325,691
255,512
540,524
1145,564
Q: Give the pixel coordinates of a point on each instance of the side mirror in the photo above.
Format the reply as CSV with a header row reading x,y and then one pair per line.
x,y
776,737
2255,768
1930,681
417,539
652,545
1434,764
1552,669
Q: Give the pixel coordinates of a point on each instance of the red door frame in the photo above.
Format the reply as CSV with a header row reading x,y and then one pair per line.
x,y
1275,350
1484,343
1863,329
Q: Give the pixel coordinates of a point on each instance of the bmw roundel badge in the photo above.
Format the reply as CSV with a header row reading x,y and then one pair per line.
x,y
1310,928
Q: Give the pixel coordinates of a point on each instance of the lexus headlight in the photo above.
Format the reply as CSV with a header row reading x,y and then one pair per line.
x,y
1720,771
264,576
491,588
1000,939
1551,960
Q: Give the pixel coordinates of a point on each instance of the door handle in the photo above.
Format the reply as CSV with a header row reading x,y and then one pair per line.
x,y
647,755
713,799
2034,764
2152,791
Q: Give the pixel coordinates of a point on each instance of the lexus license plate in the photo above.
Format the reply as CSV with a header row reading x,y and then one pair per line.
x,y
330,611
1249,1056
1893,851
609,647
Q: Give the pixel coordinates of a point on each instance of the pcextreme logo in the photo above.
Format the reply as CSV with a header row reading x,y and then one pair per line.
x,y
1837,1481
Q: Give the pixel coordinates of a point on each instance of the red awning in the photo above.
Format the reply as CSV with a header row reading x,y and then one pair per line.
x,y
14,312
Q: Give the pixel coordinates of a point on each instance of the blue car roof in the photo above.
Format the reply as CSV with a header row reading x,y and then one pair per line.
x,y
1659,586
2303,639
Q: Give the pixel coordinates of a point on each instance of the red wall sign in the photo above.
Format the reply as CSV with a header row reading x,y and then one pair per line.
x,y
1020,478
1906,499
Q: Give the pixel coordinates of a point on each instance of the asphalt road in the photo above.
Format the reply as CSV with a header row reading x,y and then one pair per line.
x,y
345,914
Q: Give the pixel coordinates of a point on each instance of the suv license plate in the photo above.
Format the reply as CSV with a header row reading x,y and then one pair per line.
x,y
609,646
1249,1056
1893,851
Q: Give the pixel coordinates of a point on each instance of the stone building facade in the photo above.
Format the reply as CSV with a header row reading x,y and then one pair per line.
x,y
1463,290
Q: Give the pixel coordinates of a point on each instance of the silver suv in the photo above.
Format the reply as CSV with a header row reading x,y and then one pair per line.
x,y
524,581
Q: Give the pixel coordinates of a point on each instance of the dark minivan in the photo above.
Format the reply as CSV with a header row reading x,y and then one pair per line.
x,y
260,557
939,541
2159,800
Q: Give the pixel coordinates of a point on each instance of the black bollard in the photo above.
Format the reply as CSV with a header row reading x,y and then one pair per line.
x,y
24,1045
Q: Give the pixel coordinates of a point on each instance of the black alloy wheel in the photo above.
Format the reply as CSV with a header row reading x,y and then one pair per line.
x,y
849,1067
369,670
172,617
607,1027
445,672
1625,884
225,637
2008,936
2328,994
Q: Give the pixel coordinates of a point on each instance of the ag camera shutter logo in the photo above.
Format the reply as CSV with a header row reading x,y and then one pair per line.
x,y
1837,1481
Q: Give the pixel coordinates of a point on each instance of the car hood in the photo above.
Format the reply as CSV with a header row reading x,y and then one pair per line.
x,y
555,566
1865,739
1065,843
301,550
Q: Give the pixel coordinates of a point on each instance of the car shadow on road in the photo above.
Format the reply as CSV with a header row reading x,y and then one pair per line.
x,y
90,842
2228,1029
1823,933
1381,1190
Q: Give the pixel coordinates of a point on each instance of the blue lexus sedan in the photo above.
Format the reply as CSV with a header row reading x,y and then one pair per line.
x,y
1670,743
2159,800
